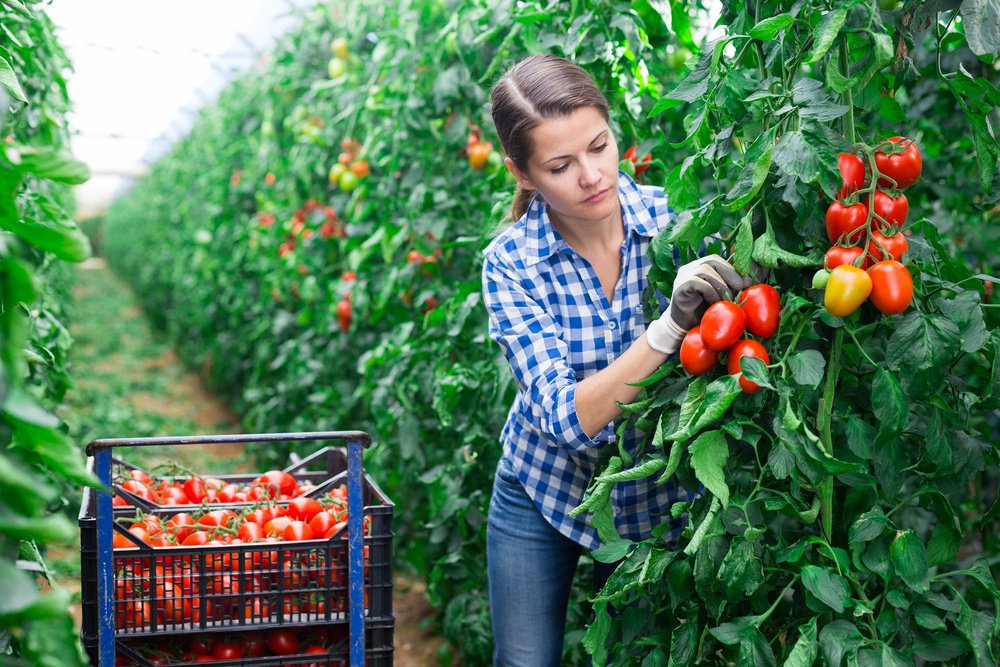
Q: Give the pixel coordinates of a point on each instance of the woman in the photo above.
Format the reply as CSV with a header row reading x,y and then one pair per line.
x,y
563,289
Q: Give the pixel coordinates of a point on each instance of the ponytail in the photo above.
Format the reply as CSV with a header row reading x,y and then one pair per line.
x,y
522,197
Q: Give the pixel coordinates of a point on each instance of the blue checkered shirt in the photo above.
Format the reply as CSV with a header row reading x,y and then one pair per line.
x,y
553,321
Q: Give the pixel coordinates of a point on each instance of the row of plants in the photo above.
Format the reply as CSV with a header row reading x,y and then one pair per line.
x,y
41,468
314,247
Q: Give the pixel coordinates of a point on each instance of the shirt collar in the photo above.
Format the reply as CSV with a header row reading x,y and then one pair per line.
x,y
543,241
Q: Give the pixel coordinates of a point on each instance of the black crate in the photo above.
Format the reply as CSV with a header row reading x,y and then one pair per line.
x,y
332,460
378,653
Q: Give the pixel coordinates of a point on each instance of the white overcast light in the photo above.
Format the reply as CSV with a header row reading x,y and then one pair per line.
x,y
142,69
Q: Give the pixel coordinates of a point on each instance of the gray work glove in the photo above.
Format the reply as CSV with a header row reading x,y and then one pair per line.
x,y
698,285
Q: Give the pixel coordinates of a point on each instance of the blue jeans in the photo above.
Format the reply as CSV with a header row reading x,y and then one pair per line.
x,y
530,567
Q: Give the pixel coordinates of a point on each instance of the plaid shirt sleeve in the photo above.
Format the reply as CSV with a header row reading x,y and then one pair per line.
x,y
532,342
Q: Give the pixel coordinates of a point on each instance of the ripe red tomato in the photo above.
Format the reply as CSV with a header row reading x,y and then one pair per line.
x,y
282,642
194,489
894,246
892,209
296,531
181,525
276,526
225,650
839,255
695,357
140,489
852,171
361,168
846,221
722,325
250,532
746,348
344,314
892,287
904,168
762,306
303,509
278,479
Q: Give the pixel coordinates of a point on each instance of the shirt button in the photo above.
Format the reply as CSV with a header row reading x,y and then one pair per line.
x,y
612,325
617,510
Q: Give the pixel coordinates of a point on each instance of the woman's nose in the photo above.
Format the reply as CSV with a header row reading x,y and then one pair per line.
x,y
589,173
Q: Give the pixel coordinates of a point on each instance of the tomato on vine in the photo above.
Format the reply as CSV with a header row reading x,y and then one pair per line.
x,y
846,290
746,348
722,325
697,359
762,305
903,167
839,255
846,221
852,171
891,209
887,247
892,287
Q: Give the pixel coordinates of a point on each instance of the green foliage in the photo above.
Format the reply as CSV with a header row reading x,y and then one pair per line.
x,y
845,504
38,462
249,291
229,247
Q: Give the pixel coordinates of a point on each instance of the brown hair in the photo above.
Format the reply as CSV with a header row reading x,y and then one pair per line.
x,y
534,90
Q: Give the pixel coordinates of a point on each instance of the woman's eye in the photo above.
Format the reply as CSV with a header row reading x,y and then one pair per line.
x,y
599,149
560,169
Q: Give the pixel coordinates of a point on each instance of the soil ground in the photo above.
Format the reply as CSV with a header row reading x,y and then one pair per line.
x,y
129,382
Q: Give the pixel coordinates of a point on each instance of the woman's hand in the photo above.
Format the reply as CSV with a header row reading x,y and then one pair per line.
x,y
698,285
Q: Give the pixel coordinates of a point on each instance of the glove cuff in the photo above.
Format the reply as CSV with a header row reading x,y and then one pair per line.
x,y
664,336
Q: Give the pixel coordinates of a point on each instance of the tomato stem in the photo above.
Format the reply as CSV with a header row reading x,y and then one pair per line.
x,y
824,418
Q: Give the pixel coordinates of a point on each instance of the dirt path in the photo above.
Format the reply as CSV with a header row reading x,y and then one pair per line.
x,y
129,382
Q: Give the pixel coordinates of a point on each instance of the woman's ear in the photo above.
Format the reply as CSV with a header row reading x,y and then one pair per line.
x,y
520,175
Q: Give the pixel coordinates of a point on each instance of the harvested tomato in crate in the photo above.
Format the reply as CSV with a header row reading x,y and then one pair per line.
x,y
318,561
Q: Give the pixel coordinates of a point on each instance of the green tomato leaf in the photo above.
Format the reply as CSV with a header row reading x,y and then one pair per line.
x,y
754,650
755,370
909,557
709,453
981,19
888,402
921,349
868,526
768,253
936,647
977,628
838,640
826,586
808,367
826,32
9,79
744,246
767,29
806,648
750,179
964,310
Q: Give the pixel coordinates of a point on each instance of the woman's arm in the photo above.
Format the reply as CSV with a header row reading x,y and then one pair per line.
x,y
597,396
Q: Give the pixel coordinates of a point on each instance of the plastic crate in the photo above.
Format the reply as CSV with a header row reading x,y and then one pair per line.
x,y
146,591
378,653
332,459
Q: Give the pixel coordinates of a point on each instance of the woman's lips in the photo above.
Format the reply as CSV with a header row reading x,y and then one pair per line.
x,y
593,199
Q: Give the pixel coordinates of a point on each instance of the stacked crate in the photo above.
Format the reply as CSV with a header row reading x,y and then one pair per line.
x,y
137,596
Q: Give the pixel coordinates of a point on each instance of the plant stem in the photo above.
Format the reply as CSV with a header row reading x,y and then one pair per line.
x,y
824,417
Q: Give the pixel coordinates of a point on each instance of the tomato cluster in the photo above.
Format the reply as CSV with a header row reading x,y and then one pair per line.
x,y
304,223
865,224
196,490
349,169
245,572
632,165
224,648
722,329
479,152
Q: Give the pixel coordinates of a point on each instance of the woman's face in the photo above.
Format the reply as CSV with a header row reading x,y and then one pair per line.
x,y
574,166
